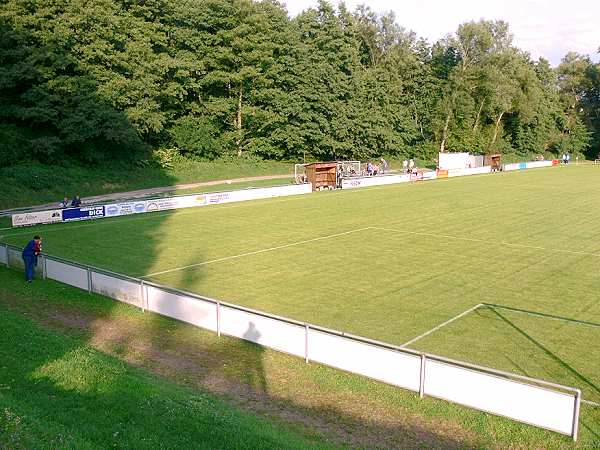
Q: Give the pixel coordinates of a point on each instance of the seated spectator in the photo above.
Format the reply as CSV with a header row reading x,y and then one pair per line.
x,y
302,178
76,202
375,169
369,169
64,203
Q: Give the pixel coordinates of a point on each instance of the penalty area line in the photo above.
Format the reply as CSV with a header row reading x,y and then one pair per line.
x,y
256,252
483,241
447,322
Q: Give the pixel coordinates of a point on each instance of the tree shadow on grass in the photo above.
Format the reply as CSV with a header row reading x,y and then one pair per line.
x,y
317,401
310,399
563,364
67,395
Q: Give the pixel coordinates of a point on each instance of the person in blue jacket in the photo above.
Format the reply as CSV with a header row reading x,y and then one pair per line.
x,y
30,256
76,203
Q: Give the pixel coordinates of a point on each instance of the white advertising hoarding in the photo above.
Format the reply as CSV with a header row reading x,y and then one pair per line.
x,y
259,193
469,171
123,209
66,273
393,367
33,218
536,164
353,183
523,402
186,201
123,290
201,313
447,161
282,336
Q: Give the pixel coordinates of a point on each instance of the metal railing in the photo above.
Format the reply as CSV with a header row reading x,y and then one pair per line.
x,y
559,405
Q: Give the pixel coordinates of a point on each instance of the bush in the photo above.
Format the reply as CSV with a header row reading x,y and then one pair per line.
x,y
196,137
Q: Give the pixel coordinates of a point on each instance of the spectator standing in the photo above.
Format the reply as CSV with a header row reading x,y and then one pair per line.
x,y
564,158
404,166
568,158
384,166
30,256
76,203
411,166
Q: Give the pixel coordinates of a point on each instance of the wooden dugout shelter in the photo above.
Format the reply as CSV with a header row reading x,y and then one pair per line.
x,y
322,174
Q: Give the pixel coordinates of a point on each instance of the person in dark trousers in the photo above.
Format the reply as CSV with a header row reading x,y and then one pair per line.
x,y
30,256
76,203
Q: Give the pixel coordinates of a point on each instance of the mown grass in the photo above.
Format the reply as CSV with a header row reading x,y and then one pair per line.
x,y
63,390
34,184
394,262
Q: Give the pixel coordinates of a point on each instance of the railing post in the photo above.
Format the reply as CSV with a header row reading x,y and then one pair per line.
x,y
142,296
306,327
219,319
422,379
44,267
576,415
89,280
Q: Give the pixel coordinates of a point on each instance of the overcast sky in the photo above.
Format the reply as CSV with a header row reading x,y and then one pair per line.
x,y
548,28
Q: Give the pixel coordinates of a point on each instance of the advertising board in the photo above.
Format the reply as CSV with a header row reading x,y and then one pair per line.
x,y
258,193
469,171
448,161
510,167
352,183
432,175
187,201
535,164
83,213
33,218
123,209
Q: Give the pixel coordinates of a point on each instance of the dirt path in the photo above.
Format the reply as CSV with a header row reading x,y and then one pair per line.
x,y
143,193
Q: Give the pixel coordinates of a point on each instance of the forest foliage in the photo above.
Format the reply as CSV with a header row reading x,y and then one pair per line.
x,y
92,81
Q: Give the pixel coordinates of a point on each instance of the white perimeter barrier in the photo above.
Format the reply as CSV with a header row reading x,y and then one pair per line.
x,y
159,204
527,165
187,308
534,405
378,180
353,183
469,171
4,255
535,402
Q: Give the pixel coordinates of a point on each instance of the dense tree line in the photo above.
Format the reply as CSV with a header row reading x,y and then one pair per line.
x,y
94,80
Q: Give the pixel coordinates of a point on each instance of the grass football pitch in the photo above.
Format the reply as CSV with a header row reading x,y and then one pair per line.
x,y
392,263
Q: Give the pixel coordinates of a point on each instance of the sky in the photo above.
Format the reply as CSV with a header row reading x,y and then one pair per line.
x,y
548,28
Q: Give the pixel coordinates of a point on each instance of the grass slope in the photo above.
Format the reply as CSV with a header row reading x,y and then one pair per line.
x,y
58,390
34,184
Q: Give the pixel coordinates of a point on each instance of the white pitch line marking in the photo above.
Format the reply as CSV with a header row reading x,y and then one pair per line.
x,y
270,249
447,322
483,241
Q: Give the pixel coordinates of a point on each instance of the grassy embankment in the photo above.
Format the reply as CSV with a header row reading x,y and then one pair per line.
x,y
57,391
32,184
